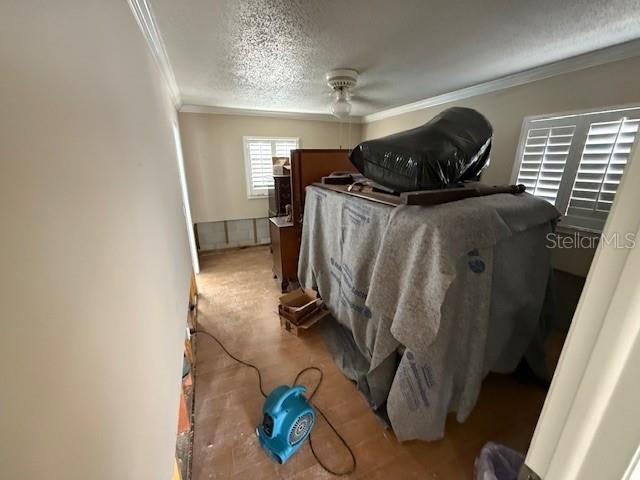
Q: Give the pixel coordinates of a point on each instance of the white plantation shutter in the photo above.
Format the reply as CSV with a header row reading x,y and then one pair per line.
x,y
258,163
261,166
576,161
284,147
543,160
604,157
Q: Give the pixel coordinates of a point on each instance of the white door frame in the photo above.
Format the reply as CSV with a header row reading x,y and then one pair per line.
x,y
589,427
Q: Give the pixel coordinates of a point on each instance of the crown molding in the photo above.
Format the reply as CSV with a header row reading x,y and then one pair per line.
x,y
318,117
572,64
144,16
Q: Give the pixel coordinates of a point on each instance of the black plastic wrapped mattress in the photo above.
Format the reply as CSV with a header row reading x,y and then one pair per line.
x,y
452,147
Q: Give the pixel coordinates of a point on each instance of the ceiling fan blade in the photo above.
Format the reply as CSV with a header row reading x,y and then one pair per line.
x,y
358,100
369,85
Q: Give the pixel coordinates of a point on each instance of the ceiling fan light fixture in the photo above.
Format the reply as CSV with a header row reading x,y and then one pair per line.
x,y
341,107
341,80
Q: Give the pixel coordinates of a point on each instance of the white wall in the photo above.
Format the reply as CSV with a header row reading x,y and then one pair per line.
x,y
602,86
94,254
214,157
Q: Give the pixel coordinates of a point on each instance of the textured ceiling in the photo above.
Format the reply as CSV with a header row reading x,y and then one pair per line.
x,y
273,54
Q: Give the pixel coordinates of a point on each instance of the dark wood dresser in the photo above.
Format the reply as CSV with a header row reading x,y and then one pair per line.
x,y
279,195
285,241
307,167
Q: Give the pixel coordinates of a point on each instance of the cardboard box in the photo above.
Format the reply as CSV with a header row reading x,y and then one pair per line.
x,y
301,309
295,305
298,329
281,165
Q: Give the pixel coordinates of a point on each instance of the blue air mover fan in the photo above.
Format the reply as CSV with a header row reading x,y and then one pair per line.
x,y
287,421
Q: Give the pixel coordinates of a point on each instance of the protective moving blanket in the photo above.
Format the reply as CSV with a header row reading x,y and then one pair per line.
x,y
452,291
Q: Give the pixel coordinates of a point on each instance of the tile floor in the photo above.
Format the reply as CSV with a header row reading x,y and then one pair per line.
x,y
238,299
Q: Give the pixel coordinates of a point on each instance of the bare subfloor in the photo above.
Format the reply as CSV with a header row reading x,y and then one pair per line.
x,y
238,300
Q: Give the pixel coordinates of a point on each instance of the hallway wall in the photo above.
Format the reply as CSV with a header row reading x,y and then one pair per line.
x,y
94,254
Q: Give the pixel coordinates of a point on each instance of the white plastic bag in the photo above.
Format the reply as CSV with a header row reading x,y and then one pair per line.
x,y
497,462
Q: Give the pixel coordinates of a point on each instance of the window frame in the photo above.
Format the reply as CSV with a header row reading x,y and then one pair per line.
x,y
578,140
257,194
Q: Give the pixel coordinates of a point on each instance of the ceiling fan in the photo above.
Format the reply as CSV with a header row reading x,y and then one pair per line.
x,y
342,82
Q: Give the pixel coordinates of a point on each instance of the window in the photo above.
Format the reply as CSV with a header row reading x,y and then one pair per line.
x,y
258,165
576,161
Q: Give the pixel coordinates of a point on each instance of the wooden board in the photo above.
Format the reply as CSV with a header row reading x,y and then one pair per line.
x,y
426,198
184,423
176,471
192,321
378,197
309,166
